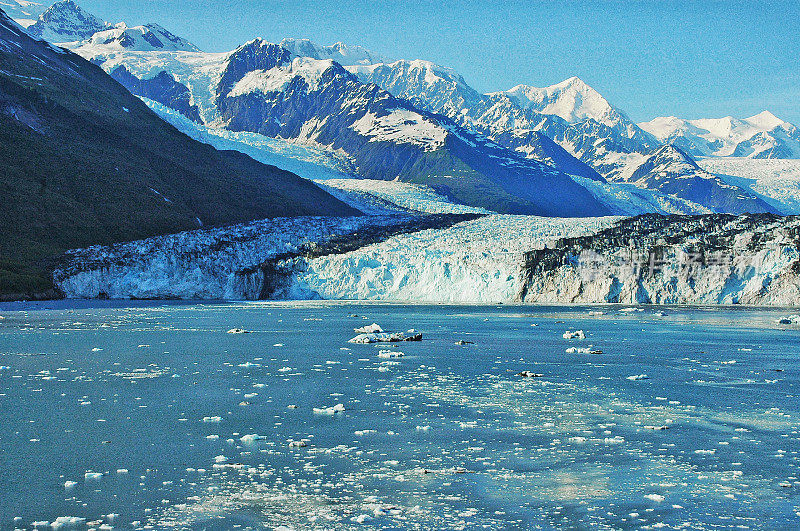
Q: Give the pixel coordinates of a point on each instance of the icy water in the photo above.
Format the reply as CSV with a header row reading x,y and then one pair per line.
x,y
151,414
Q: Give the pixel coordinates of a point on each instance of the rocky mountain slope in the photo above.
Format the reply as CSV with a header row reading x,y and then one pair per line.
x,y
86,162
715,259
673,172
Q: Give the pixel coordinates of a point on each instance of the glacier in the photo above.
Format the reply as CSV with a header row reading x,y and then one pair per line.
x,y
458,258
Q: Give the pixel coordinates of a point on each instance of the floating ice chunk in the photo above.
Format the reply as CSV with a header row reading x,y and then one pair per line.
x,y
212,437
657,428
67,522
238,331
212,419
361,433
595,313
385,337
791,319
122,471
92,475
70,484
423,428
374,328
330,411
285,369
530,374
577,334
4,367
297,444
252,438
249,364
583,350
658,498
361,518
390,354
636,377
630,310
96,349
705,452
220,459
291,406
462,342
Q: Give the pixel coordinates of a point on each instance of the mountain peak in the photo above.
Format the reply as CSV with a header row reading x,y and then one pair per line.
x,y
344,54
572,99
65,21
149,37
765,120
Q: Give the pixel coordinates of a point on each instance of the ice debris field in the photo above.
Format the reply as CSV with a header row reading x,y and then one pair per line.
x,y
175,415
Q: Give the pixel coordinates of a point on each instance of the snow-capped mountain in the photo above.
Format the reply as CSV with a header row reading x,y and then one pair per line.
x,y
571,113
64,21
435,88
573,100
23,12
671,171
303,95
340,52
265,89
761,136
149,37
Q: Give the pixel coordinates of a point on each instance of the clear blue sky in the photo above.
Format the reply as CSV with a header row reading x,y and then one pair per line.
x,y
656,57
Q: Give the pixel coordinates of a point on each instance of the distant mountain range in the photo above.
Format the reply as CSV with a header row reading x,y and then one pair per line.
x,y
525,150
85,162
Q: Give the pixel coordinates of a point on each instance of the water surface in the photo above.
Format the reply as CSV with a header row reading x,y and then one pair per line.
x,y
160,417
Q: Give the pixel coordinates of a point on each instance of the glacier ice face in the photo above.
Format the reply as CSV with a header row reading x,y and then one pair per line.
x,y
248,261
473,261
711,259
203,264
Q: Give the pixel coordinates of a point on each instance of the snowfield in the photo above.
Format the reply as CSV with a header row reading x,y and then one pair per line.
x,y
199,71
306,161
777,181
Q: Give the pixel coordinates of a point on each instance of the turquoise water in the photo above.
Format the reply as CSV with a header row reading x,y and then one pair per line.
x,y
151,410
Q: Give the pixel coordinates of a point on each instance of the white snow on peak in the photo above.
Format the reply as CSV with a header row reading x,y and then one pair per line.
x,y
765,121
149,37
340,52
402,126
278,78
65,21
722,136
22,12
572,99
